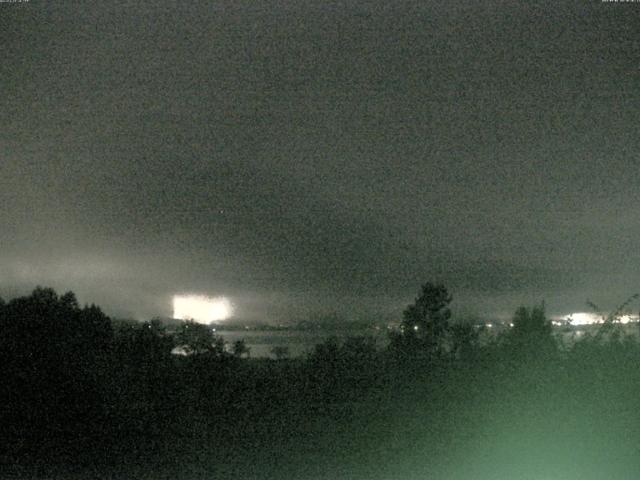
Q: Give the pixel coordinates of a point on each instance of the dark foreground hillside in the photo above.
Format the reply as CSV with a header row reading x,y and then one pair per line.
x,y
84,398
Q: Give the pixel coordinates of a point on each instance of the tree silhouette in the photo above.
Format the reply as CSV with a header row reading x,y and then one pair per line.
x,y
68,300
196,338
529,322
240,348
464,340
327,352
359,348
425,323
53,365
281,352
47,326
145,344
532,333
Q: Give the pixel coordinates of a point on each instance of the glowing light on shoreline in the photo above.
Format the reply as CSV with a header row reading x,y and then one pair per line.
x,y
201,309
582,318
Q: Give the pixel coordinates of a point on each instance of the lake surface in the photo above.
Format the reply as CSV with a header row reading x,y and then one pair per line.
x,y
302,342
299,343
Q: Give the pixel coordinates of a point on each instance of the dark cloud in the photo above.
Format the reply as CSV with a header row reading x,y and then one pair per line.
x,y
320,156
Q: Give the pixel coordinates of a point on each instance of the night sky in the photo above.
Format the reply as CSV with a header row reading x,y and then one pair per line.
x,y
306,157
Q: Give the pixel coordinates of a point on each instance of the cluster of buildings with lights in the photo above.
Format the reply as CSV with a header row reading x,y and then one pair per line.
x,y
571,327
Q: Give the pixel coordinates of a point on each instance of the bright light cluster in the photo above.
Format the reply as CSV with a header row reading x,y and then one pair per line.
x,y
201,309
581,318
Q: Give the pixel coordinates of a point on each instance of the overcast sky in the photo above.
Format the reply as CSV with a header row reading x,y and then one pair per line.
x,y
303,157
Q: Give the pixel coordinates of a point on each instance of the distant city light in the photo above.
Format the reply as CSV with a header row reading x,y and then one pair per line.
x,y
585,318
627,319
201,309
581,318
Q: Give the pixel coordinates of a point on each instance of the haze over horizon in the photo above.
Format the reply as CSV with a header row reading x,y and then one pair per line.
x,y
300,158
